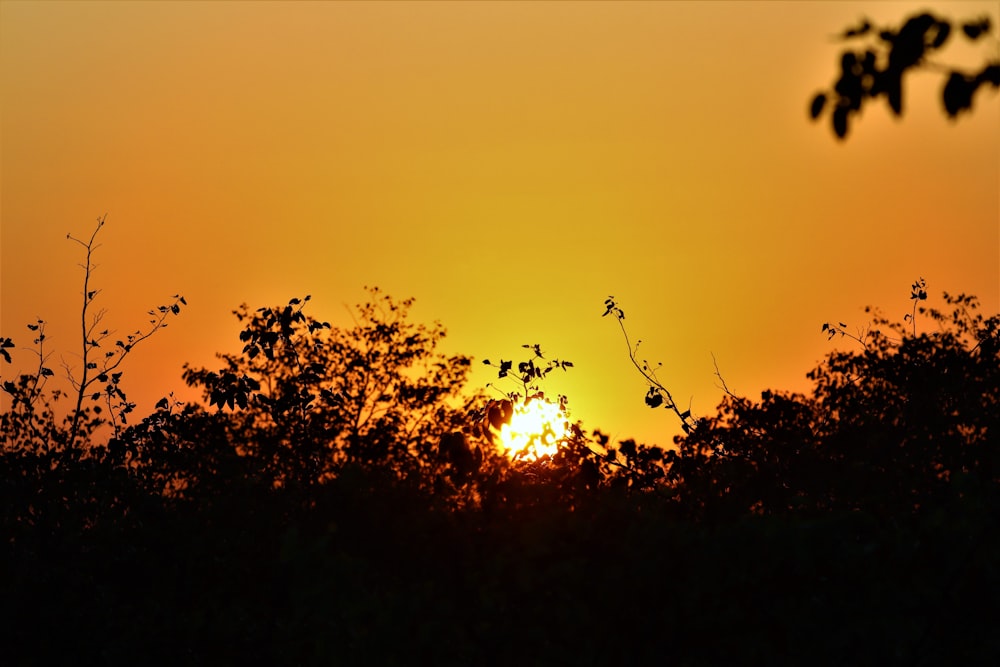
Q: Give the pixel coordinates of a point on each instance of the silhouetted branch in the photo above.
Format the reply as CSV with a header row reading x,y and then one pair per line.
x,y
657,394
104,371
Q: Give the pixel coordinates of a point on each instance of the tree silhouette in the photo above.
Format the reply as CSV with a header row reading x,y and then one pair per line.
x,y
33,424
876,67
337,496
337,488
908,423
306,399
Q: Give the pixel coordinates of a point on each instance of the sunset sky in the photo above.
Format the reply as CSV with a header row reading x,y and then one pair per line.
x,y
508,165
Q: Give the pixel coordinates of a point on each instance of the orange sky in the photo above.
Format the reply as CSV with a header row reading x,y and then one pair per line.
x,y
509,165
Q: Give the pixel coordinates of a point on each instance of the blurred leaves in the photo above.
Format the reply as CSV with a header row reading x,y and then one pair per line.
x,y
878,67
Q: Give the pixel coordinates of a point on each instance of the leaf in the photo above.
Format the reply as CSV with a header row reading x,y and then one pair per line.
x,y
957,94
941,36
45,372
863,28
495,416
975,29
654,399
990,74
815,109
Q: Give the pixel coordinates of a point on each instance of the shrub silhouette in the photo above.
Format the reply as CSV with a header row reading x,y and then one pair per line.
x,y
907,423
306,400
32,423
337,488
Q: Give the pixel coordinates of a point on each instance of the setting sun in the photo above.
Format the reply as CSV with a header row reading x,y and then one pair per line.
x,y
534,430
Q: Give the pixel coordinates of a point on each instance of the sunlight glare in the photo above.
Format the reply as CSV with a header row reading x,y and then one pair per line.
x,y
534,430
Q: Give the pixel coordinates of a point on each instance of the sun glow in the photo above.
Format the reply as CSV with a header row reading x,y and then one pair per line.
x,y
534,430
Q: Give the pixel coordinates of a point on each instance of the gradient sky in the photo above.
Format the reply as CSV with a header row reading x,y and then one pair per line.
x,y
509,165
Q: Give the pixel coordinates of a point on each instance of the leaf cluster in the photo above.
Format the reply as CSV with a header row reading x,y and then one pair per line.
x,y
877,68
906,424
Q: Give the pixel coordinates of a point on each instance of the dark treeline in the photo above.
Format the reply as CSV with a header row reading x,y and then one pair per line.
x,y
337,498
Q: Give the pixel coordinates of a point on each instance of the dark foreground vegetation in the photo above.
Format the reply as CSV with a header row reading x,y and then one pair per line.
x,y
338,499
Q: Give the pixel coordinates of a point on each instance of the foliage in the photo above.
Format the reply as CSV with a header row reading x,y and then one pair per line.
x,y
307,399
339,486
528,378
876,67
32,423
657,395
515,481
583,466
908,424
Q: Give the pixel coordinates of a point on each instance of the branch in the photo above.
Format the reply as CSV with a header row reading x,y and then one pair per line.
x,y
657,391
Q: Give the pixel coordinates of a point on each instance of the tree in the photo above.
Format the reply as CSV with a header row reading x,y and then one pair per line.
x,y
908,423
307,400
59,477
32,423
877,65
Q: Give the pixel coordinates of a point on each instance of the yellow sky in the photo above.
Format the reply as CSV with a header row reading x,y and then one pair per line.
x,y
509,165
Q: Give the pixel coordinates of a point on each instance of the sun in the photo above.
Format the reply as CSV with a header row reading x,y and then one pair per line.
x,y
534,430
